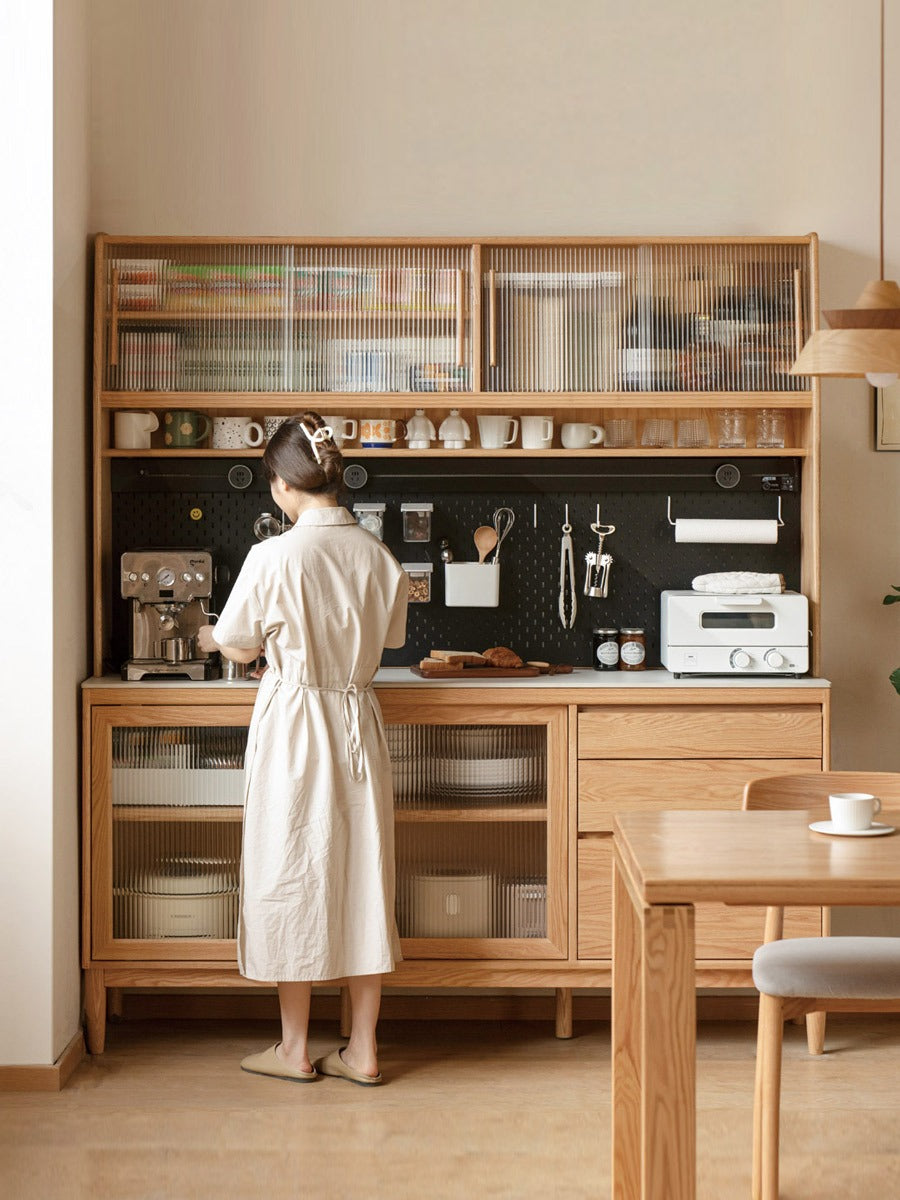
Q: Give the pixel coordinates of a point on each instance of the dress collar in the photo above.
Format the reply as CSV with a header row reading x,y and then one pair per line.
x,y
325,516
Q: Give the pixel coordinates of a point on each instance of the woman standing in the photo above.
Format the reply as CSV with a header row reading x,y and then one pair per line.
x,y
317,868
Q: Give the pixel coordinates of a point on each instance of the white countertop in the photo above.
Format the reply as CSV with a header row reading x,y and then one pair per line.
x,y
581,677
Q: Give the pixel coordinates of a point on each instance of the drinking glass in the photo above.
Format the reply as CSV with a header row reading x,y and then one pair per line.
x,y
658,431
732,428
770,428
619,432
693,431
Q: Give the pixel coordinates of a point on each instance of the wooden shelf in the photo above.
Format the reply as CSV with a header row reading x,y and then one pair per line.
x,y
379,402
506,812
477,452
169,813
360,315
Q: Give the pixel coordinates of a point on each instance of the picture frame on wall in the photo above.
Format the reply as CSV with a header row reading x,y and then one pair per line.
x,y
887,417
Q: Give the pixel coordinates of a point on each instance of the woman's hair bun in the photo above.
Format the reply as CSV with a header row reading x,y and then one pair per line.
x,y
301,454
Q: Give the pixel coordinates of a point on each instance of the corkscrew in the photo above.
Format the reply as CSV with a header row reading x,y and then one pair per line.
x,y
598,562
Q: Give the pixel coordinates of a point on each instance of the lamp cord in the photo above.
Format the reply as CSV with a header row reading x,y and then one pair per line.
x,y
881,159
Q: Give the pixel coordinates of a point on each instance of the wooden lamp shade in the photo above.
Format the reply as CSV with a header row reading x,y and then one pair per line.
x,y
863,340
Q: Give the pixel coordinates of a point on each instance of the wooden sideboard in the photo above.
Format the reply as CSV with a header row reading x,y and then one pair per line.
x,y
523,837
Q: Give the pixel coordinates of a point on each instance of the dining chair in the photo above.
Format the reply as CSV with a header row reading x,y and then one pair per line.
x,y
808,977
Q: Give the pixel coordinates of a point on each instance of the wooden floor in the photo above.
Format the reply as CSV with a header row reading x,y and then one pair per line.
x,y
472,1109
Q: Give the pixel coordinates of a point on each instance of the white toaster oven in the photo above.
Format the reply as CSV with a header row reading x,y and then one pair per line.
x,y
704,634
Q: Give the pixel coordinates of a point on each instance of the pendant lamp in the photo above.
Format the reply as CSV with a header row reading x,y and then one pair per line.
x,y
865,339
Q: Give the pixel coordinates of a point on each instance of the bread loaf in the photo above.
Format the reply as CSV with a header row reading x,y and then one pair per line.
x,y
459,656
502,656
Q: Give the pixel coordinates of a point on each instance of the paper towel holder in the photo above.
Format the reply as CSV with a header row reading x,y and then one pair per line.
x,y
672,523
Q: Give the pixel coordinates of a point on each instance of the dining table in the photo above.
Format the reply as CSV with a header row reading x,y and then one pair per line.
x,y
664,864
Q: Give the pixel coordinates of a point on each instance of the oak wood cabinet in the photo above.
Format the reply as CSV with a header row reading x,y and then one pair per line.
x,y
504,802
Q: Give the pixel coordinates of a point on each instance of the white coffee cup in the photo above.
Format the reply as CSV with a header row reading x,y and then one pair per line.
x,y
493,431
236,433
133,429
343,428
852,811
537,433
575,436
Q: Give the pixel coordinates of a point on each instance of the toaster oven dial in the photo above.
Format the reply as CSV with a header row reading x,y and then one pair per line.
x,y
740,659
774,659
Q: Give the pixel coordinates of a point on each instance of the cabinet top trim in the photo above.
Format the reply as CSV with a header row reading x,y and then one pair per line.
x,y
111,239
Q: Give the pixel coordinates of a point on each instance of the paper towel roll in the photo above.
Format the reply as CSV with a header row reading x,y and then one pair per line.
x,y
757,532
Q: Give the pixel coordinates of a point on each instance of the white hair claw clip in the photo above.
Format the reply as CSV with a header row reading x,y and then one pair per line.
x,y
323,434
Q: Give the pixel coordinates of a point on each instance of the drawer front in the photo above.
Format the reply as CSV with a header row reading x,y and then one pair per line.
x,y
721,932
702,731
621,785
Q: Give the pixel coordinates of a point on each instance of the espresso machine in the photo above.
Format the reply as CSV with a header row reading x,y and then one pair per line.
x,y
167,589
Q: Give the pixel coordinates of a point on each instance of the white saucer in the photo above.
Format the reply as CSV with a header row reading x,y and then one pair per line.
x,y
876,829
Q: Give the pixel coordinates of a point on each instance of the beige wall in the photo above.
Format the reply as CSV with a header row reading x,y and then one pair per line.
x,y
518,116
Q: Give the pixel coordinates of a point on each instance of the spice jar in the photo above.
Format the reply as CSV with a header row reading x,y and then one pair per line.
x,y
632,650
416,522
419,581
371,517
606,649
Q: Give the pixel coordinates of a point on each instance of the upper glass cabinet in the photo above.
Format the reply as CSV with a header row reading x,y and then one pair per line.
x,y
206,317
655,317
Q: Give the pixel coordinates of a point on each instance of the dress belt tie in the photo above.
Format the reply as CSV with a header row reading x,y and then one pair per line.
x,y
350,711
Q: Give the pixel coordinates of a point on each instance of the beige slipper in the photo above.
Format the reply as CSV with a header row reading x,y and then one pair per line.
x,y
268,1063
333,1064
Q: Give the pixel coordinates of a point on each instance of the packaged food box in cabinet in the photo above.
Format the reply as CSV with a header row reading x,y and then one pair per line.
x,y
307,287
444,281
139,270
339,285
451,906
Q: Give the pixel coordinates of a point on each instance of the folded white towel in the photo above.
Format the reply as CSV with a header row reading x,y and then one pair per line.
x,y
738,583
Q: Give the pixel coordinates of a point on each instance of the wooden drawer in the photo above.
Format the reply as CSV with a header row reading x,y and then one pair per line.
x,y
721,932
701,731
617,785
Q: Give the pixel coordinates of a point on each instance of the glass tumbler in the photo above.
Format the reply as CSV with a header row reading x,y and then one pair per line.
x,y
619,432
732,428
770,428
693,432
658,431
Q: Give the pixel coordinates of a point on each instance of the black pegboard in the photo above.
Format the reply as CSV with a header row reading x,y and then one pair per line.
x,y
152,507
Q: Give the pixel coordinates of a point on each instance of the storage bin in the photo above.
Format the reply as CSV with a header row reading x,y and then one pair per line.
x,y
419,581
472,585
451,906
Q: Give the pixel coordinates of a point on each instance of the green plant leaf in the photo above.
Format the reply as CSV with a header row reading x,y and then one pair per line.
x,y
891,600
895,679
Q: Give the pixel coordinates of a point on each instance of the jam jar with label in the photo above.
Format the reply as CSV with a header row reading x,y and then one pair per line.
x,y
632,650
606,650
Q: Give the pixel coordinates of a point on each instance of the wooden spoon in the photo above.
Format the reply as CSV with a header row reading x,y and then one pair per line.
x,y
485,541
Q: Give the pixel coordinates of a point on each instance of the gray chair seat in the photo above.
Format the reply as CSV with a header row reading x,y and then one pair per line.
x,y
847,968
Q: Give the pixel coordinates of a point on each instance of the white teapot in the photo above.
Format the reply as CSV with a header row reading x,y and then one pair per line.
x,y
454,431
419,431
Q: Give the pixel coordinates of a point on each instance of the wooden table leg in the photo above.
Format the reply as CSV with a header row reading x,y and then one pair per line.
x,y
626,1044
668,1054
95,1011
564,1012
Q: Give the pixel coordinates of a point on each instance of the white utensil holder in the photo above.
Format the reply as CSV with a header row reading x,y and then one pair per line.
x,y
471,585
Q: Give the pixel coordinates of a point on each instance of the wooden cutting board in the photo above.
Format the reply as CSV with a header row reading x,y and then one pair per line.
x,y
476,672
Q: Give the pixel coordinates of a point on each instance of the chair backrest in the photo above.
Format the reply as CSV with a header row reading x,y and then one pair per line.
x,y
811,791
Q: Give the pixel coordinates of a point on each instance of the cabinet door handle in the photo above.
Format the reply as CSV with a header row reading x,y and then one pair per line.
x,y
114,319
460,318
798,312
492,317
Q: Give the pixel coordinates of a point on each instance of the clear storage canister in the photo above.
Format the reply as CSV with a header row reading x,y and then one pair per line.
x,y
371,517
416,522
419,581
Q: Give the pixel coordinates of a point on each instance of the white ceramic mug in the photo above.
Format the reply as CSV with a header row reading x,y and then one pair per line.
x,y
853,811
133,429
575,436
343,428
236,433
537,433
493,431
378,431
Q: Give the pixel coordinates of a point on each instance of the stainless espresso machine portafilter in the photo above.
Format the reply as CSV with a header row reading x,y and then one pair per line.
x,y
167,589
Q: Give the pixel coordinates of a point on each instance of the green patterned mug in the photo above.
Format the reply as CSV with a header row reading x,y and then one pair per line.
x,y
183,428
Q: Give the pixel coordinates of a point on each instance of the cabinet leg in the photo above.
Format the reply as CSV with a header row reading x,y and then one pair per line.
x,y
563,1012
95,1011
346,1015
114,1003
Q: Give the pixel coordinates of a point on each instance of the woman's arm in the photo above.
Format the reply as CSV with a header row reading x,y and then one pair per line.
x,y
208,644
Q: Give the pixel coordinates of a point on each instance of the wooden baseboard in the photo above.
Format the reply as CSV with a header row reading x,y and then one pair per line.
x,y
155,1005
50,1078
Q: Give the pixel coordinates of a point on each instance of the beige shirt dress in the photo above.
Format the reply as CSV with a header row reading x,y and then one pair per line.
x,y
317,866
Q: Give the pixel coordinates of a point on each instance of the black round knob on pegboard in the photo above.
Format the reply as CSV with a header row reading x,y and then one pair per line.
x,y
240,476
355,476
728,475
